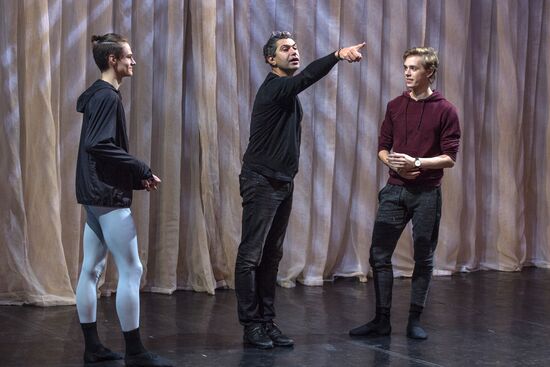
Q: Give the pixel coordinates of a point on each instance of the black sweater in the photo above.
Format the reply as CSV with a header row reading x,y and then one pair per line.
x,y
275,131
106,173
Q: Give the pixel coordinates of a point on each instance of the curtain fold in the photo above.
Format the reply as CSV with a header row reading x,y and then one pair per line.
x,y
188,105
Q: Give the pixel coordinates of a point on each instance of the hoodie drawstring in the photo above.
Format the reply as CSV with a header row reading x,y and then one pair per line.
x,y
406,109
421,114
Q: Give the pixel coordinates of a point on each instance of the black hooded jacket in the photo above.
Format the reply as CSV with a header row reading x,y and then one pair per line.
x,y
105,173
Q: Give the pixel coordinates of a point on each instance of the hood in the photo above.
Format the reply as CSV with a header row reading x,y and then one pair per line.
x,y
436,96
89,93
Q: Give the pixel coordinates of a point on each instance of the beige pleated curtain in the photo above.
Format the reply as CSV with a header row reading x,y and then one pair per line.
x,y
199,65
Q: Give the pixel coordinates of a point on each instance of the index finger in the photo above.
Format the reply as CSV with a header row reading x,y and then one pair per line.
x,y
360,46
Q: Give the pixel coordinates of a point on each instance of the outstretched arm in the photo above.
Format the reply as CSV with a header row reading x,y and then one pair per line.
x,y
287,86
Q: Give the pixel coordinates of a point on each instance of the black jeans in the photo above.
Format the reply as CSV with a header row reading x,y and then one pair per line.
x,y
398,205
266,209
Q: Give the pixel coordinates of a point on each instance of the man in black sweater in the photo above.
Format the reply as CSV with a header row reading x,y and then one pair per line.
x,y
266,182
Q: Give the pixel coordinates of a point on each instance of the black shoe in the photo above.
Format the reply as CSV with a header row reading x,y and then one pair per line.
x,y
415,331
256,336
146,359
279,339
101,355
376,327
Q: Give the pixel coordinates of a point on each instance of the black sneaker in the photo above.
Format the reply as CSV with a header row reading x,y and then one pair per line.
x,y
101,355
146,359
256,336
279,339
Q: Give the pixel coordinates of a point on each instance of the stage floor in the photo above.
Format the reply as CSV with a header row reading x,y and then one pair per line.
x,y
478,319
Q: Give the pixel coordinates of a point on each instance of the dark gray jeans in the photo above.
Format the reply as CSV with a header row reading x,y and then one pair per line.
x,y
266,208
397,206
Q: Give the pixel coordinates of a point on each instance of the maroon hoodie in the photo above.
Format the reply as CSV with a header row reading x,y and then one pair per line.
x,y
421,129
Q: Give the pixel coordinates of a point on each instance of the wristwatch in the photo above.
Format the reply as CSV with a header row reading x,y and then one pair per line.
x,y
417,163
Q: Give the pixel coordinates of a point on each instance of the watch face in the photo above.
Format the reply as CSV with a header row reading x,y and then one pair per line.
x,y
417,162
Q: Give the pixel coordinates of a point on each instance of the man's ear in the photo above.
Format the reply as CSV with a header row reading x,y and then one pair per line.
x,y
271,60
112,59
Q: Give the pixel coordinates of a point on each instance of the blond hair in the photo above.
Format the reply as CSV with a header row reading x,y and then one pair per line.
x,y
430,61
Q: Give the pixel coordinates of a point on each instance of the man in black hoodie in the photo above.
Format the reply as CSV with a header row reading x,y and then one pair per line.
x,y
106,174
266,182
419,137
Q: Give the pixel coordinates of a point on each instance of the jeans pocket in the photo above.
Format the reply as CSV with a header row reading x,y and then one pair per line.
x,y
244,182
384,190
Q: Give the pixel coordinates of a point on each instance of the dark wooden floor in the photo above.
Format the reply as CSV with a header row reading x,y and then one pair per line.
x,y
478,319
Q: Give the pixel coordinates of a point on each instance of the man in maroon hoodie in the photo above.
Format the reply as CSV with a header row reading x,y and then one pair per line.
x,y
419,137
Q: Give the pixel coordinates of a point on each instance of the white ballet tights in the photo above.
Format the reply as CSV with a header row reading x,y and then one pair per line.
x,y
110,229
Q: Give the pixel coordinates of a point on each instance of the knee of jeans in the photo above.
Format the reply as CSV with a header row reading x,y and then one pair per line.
x,y
270,262
424,266
247,261
423,256
381,266
379,259
273,255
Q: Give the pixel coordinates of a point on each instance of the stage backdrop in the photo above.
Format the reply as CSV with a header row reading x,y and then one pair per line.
x,y
199,65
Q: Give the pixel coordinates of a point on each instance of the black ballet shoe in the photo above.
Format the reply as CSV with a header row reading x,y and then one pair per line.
x,y
415,331
102,354
374,328
146,359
